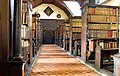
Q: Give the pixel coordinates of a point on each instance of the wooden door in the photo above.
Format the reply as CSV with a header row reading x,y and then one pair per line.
x,y
48,37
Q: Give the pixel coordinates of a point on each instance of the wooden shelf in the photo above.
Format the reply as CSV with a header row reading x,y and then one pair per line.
x,y
76,32
103,38
25,39
25,24
103,14
76,27
102,22
111,49
104,29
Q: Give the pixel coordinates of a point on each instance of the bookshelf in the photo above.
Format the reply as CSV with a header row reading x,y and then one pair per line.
x,y
76,35
67,36
100,28
27,36
36,33
25,32
61,31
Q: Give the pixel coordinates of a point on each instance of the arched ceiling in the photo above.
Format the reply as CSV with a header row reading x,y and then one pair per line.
x,y
58,3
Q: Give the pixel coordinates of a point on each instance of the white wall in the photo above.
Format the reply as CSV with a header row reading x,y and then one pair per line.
x,y
40,9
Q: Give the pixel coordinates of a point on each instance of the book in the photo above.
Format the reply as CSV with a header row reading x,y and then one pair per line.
x,y
110,33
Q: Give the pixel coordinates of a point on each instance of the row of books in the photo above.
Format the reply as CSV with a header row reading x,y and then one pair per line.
x,y
103,11
76,20
76,29
25,32
67,28
24,18
76,24
102,18
77,36
110,44
33,19
25,43
103,26
24,7
34,26
67,24
103,34
25,52
33,34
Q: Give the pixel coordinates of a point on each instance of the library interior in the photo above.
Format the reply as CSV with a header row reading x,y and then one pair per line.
x,y
59,38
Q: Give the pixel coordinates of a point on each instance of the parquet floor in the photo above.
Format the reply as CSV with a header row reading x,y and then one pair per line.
x,y
53,61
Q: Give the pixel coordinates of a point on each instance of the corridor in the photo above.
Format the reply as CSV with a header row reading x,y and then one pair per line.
x,y
53,61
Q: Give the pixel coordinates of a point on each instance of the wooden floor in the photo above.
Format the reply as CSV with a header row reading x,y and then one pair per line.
x,y
53,61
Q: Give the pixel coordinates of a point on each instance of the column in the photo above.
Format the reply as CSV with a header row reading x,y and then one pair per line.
x,y
16,64
17,29
64,34
70,43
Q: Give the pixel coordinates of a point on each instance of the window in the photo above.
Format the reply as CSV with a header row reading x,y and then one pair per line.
x,y
74,7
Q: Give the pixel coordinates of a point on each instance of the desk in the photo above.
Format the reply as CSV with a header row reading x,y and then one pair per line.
x,y
102,54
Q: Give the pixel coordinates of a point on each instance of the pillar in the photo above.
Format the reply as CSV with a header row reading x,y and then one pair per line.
x,y
17,29
64,34
15,64
70,43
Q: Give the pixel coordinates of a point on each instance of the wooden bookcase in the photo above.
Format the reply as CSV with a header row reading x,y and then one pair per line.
x,y
61,32
67,36
76,35
100,28
25,33
26,40
39,33
57,36
36,33
31,35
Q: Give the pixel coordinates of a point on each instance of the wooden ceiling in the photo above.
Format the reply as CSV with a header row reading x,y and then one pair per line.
x,y
58,3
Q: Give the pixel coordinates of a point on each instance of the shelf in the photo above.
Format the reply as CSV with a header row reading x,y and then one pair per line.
x,y
76,32
102,14
76,27
34,38
25,24
104,29
103,38
77,38
34,29
111,49
103,22
25,39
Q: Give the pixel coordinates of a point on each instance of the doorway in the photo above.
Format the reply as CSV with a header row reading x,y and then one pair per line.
x,y
48,37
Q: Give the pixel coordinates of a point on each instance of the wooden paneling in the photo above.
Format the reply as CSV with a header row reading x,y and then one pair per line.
x,y
4,18
0,28
49,27
51,24
48,37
